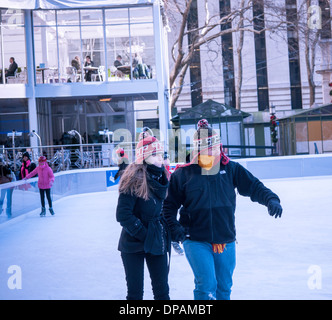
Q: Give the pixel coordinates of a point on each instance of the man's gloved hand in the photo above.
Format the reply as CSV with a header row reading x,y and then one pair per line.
x,y
274,208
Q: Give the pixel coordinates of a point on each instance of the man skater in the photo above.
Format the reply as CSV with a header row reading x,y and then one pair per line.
x,y
205,188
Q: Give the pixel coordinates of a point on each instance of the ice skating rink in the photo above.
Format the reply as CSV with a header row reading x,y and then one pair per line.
x,y
73,255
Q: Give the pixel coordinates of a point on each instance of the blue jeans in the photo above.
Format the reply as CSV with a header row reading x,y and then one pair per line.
x,y
213,272
9,193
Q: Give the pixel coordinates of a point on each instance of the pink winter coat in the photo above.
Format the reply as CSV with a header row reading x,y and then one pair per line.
x,y
45,176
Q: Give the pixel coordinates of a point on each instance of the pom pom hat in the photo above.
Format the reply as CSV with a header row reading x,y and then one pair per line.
x,y
147,146
42,159
120,152
205,137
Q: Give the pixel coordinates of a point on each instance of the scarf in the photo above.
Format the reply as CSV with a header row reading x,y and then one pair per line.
x,y
157,180
24,168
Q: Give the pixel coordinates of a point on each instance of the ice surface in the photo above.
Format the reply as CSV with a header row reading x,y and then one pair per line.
x,y
73,255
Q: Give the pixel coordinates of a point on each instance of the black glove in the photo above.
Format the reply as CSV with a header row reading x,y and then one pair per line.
x,y
178,234
274,208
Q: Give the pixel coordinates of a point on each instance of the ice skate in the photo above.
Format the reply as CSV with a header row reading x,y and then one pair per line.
x,y
43,212
52,211
177,248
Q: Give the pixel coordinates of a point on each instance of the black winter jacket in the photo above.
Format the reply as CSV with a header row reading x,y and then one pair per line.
x,y
122,168
209,201
144,228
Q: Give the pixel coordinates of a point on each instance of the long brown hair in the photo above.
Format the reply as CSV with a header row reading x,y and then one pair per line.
x,y
134,181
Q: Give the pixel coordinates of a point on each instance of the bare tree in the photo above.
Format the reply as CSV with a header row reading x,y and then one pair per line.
x,y
239,48
303,26
214,26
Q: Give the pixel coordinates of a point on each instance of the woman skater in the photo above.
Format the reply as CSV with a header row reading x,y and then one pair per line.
x,y
144,236
45,182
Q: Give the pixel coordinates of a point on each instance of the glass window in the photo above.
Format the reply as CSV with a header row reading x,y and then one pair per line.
x,y
46,54
327,135
2,67
69,48
44,18
12,47
94,106
65,38
20,123
139,15
116,122
117,105
91,17
93,46
95,124
14,116
12,17
67,17
118,52
13,105
142,48
116,16
301,131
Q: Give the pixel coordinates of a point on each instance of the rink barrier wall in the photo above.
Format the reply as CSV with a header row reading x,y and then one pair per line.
x,y
26,198
289,166
25,194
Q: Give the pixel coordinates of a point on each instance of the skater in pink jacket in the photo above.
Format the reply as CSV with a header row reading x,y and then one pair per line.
x,y
45,182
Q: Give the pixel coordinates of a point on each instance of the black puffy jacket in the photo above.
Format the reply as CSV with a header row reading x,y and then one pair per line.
x,y
209,201
144,228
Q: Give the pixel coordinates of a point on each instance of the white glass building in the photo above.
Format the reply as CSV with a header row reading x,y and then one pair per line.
x,y
55,89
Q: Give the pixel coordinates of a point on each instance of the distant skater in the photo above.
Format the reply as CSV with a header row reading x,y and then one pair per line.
x,y
45,182
123,162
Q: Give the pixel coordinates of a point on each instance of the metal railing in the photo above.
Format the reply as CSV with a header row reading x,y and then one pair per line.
x,y
66,157
98,155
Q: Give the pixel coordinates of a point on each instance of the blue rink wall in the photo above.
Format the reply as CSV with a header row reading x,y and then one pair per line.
x,y
25,195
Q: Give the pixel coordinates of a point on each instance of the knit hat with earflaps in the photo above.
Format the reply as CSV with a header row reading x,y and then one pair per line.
x,y
26,154
206,138
121,153
147,146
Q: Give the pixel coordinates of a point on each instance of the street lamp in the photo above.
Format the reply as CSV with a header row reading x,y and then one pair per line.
x,y
14,134
273,127
73,133
34,133
107,133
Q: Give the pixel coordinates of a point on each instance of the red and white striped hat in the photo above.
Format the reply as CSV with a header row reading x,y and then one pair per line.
x,y
147,146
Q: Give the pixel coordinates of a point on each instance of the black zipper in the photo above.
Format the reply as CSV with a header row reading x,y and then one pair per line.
x,y
210,206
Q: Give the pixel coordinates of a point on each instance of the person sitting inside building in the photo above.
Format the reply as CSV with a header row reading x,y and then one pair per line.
x,y
76,63
11,71
137,60
118,61
88,73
